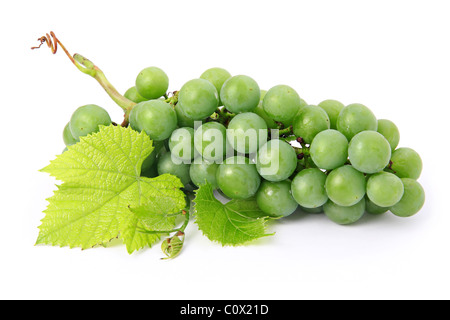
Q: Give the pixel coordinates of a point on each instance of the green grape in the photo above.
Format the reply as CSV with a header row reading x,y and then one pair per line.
x,y
152,83
344,215
345,186
312,210
372,208
275,199
87,119
412,200
332,108
68,137
217,76
355,118
149,162
247,132
390,131
369,152
329,149
276,160
308,188
181,144
167,165
133,95
281,103
237,178
406,163
198,99
151,172
210,141
384,189
156,117
202,172
240,94
183,120
271,124
309,122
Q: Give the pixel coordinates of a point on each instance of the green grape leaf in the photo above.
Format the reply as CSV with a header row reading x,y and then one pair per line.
x,y
101,181
233,223
154,220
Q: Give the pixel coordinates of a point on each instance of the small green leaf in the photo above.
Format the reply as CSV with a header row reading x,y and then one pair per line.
x,y
233,223
172,246
101,181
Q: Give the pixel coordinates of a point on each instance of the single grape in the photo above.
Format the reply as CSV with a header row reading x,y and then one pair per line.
x,y
412,200
369,152
68,137
183,120
237,178
202,172
281,103
384,189
217,76
210,141
276,160
240,94
152,83
372,208
259,110
390,131
156,117
332,108
329,149
308,188
406,163
133,95
345,186
309,122
275,199
198,99
344,215
247,132
167,165
87,119
355,118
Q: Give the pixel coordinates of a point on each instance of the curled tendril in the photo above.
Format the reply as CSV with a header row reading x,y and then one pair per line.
x,y
52,44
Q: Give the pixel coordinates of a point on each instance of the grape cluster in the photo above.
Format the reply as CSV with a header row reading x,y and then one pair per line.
x,y
331,158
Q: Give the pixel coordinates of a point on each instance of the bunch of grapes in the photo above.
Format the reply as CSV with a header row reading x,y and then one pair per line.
x,y
271,145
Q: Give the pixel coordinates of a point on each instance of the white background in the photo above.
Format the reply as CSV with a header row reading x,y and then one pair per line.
x,y
393,56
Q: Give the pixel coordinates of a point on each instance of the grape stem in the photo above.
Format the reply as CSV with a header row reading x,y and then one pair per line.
x,y
224,116
87,67
286,132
